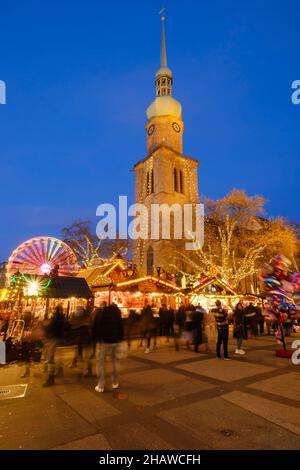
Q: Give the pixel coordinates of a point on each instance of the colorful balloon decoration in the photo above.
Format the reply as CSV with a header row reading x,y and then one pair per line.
x,y
280,283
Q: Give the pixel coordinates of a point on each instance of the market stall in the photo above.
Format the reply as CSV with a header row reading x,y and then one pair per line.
x,y
207,290
132,293
37,296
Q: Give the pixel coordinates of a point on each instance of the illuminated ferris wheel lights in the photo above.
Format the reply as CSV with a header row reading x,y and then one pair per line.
x,y
46,268
40,255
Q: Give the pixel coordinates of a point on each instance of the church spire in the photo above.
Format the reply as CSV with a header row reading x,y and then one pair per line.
x,y
164,104
163,52
164,74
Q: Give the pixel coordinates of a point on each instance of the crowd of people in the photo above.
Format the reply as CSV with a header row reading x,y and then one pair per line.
x,y
102,332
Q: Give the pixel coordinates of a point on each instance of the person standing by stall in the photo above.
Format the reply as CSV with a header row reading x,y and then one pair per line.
x,y
221,318
239,328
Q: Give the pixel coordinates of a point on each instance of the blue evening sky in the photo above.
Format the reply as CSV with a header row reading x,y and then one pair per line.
x,y
80,75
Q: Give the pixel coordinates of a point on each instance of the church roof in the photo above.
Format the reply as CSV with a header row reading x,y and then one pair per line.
x,y
164,106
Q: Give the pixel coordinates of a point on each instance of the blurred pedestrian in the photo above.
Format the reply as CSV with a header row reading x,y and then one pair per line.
x,y
251,316
108,332
239,328
179,323
148,325
197,318
56,332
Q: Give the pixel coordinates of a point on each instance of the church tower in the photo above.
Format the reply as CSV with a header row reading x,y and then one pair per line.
x,y
165,176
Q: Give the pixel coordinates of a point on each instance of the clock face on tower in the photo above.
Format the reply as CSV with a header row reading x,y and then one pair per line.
x,y
151,129
176,127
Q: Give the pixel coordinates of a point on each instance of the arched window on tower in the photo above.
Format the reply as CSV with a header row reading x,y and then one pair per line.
x,y
181,182
150,261
175,177
178,180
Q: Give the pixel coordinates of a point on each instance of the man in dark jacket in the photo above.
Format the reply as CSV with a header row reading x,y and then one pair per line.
x,y
221,317
108,332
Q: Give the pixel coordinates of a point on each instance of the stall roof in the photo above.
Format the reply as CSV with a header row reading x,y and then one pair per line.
x,y
99,276
62,287
203,283
142,281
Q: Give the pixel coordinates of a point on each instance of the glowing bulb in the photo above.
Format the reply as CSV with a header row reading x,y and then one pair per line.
x,y
46,268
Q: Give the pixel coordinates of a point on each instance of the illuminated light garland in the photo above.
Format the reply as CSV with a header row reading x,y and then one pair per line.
x,y
148,278
88,253
146,197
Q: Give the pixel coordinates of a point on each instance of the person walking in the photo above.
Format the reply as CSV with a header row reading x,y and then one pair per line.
x,y
180,318
56,332
148,324
108,332
239,328
221,318
189,327
260,320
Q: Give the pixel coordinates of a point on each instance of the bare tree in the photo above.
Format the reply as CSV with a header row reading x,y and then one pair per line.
x,y
89,250
238,239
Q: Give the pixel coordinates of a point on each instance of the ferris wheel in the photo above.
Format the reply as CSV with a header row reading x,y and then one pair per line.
x,y
41,255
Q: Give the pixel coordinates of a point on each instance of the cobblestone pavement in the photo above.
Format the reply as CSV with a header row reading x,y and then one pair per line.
x,y
167,400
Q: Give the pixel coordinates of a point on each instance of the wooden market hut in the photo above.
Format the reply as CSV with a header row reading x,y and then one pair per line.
x,y
115,281
207,290
42,294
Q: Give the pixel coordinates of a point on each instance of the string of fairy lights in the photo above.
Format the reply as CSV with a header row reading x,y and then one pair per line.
x,y
146,190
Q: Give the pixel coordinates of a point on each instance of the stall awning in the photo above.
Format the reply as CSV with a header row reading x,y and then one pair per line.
x,y
102,275
57,288
147,284
212,286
